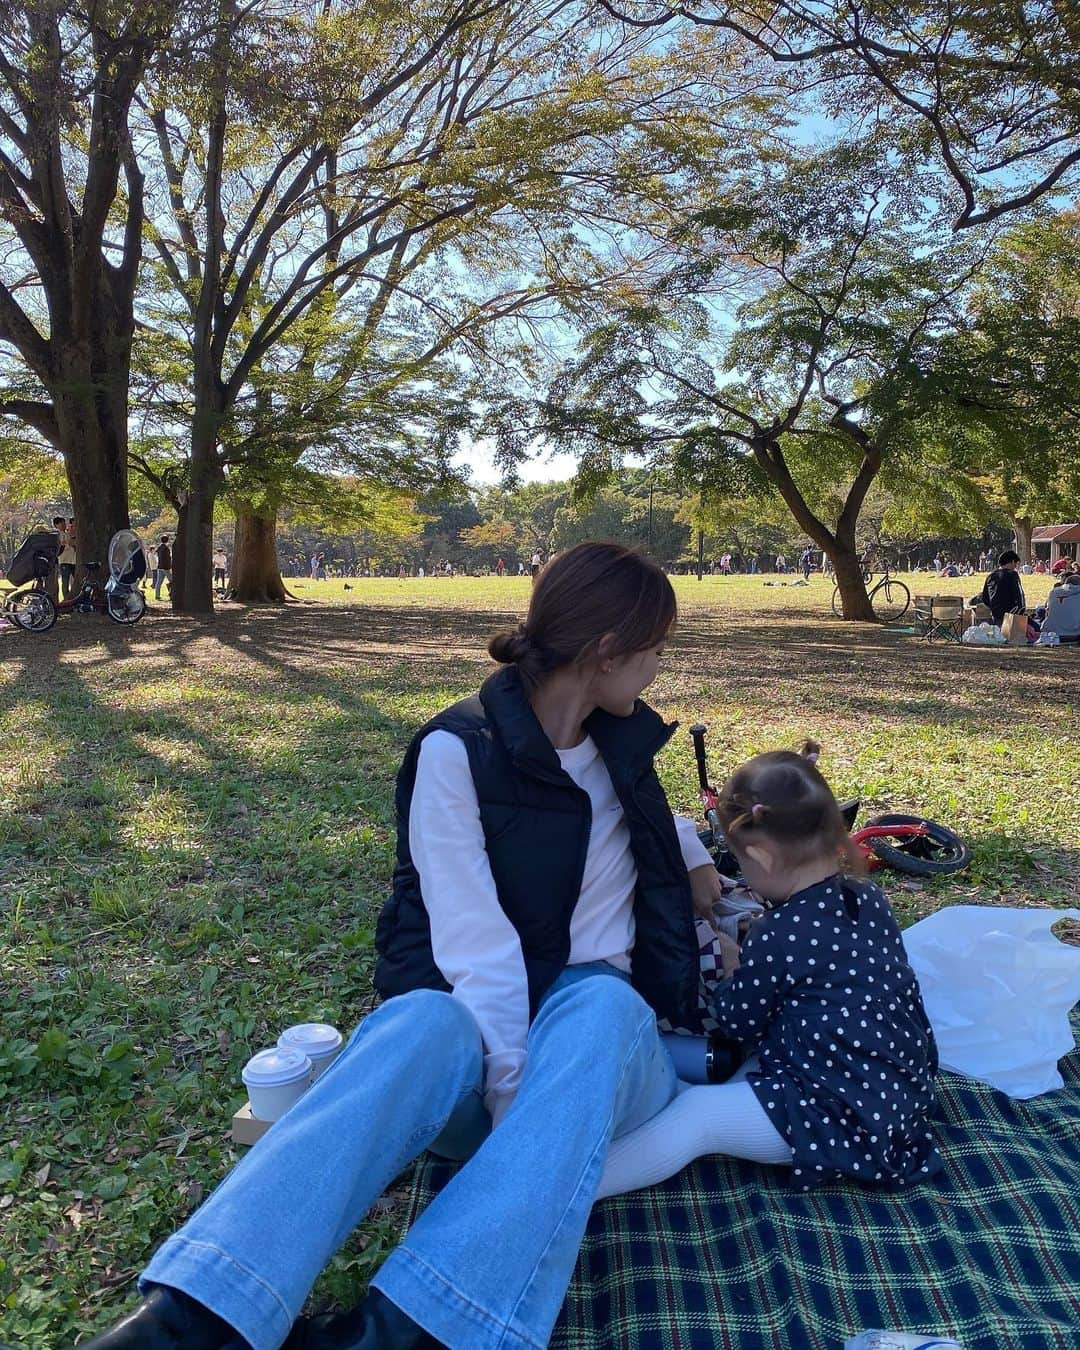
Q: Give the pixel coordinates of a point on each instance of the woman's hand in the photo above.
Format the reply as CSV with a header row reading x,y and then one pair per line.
x,y
706,889
729,954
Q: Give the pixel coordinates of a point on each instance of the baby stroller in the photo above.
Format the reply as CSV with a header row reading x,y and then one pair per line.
x,y
124,601
30,606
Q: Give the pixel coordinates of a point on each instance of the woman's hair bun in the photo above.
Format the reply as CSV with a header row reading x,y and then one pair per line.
x,y
509,648
810,750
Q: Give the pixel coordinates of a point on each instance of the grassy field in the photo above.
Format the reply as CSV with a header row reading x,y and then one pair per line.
x,y
196,834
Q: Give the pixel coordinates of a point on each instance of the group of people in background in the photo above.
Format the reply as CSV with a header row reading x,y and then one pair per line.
x,y
1003,594
159,564
318,568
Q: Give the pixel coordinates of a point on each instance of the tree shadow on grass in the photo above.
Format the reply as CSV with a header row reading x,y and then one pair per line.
x,y
277,898
856,670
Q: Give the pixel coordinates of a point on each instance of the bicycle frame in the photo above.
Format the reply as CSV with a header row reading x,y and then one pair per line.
x,y
92,593
870,858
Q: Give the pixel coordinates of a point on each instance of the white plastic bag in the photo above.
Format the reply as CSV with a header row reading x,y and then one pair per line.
x,y
998,989
984,635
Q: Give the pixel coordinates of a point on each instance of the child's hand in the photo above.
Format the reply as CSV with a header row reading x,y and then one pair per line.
x,y
730,956
707,890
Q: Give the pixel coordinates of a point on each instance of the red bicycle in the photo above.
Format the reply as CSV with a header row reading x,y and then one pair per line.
x,y
905,843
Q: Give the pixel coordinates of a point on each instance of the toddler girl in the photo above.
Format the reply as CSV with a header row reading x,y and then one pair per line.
x,y
840,1080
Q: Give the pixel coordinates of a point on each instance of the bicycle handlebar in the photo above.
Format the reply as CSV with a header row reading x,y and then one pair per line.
x,y
697,734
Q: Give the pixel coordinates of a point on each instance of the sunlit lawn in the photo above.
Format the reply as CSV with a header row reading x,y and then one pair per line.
x,y
196,834
741,592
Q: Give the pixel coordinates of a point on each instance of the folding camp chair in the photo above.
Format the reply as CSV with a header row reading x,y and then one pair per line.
x,y
946,619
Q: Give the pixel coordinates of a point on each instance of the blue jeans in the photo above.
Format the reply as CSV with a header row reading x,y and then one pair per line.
x,y
411,1073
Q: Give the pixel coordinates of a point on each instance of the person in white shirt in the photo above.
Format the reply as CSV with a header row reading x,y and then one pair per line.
x,y
542,916
221,563
67,559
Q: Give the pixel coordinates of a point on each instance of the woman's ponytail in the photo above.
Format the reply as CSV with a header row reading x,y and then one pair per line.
x,y
509,648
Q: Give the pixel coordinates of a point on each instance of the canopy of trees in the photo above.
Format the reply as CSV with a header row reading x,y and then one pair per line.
x,y
279,266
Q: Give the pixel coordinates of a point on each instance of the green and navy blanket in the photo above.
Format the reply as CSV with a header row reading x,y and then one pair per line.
x,y
729,1255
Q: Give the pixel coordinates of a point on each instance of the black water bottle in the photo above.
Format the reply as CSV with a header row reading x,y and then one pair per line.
x,y
723,1057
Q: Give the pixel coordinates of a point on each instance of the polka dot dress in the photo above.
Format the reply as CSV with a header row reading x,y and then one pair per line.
x,y
847,1057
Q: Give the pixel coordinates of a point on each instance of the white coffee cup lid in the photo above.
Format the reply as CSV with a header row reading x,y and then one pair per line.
x,y
313,1038
275,1067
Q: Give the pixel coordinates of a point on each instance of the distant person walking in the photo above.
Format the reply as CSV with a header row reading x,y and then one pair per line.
x,y
807,563
221,563
535,564
725,565
500,568
314,566
163,568
781,563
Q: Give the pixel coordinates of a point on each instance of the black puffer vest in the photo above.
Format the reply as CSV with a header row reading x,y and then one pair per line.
x,y
536,824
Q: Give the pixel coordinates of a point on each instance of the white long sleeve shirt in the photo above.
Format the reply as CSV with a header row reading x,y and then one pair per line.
x,y
475,945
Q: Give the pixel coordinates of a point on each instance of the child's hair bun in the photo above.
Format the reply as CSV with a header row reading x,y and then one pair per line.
x,y
810,750
509,648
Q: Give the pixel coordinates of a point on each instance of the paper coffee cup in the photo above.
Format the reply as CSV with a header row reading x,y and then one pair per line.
x,y
276,1078
318,1040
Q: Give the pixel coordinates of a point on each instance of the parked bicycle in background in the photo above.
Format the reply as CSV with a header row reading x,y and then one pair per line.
x,y
890,598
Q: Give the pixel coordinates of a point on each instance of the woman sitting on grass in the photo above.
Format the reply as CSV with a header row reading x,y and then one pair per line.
x,y
542,916
841,1080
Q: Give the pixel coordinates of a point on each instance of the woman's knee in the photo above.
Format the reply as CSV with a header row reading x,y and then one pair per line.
x,y
606,1002
437,1026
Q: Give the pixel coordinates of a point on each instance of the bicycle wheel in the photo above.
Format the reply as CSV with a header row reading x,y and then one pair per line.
x,y
837,603
867,575
33,611
891,600
125,608
932,854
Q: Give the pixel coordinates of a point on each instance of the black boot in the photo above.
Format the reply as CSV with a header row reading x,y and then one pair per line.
x,y
374,1324
167,1320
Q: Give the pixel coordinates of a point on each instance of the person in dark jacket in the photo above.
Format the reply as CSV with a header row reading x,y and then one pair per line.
x,y
163,566
542,915
1003,591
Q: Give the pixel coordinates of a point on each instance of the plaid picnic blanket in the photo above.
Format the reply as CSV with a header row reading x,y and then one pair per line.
x,y
727,1255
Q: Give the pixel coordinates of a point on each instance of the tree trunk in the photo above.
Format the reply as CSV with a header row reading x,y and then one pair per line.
x,y
1023,527
195,561
93,441
256,577
839,546
849,577
195,564
176,587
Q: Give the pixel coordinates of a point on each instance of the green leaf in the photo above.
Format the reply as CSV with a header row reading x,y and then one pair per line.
x,y
53,1046
108,1188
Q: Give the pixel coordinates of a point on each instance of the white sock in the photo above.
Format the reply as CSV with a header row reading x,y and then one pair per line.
x,y
725,1118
